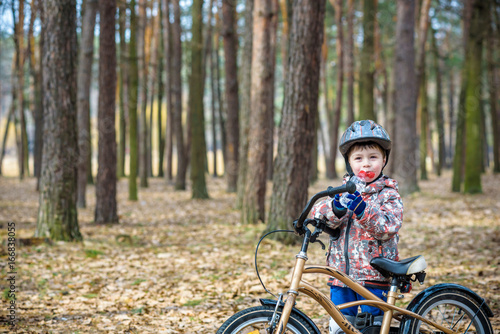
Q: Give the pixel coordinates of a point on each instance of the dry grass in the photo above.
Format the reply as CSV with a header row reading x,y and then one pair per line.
x,y
174,265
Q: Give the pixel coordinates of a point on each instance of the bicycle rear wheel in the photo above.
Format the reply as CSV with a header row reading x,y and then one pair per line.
x,y
255,320
452,309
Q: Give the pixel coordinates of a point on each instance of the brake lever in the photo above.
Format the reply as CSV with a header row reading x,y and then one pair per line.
x,y
323,247
314,237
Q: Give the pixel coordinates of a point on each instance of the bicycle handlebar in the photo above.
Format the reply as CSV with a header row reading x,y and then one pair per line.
x,y
349,187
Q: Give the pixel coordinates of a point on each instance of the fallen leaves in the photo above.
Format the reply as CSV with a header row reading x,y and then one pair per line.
x,y
174,265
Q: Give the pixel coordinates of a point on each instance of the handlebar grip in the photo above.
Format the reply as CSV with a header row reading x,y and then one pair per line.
x,y
331,192
349,187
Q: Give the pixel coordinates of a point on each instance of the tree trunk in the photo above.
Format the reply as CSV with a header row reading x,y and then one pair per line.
x,y
493,81
460,147
22,145
439,107
339,45
153,65
329,154
424,125
404,136
213,90
220,103
161,90
133,92
422,38
106,207
284,35
198,145
143,95
167,52
123,88
57,213
259,134
366,71
180,179
10,114
85,58
273,31
473,57
38,117
246,75
291,173
232,126
350,61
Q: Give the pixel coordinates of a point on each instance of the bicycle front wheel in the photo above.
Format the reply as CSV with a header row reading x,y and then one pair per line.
x,y
255,320
452,309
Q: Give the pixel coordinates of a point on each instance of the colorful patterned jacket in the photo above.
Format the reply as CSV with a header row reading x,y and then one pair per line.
x,y
362,239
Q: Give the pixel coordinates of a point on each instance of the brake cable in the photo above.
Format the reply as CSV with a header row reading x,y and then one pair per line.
x,y
255,260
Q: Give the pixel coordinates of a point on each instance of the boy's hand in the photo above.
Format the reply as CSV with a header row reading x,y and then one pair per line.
x,y
356,203
337,204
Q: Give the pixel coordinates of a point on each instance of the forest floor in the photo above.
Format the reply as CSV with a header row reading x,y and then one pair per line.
x,y
176,265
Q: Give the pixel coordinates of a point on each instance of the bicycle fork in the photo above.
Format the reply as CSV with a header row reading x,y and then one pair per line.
x,y
292,294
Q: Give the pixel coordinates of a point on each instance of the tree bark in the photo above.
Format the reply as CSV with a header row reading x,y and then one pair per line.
x,y
273,31
259,134
85,58
57,213
329,153
493,81
404,136
423,107
339,46
439,106
232,101
246,76
167,52
22,143
285,32
123,89
106,207
460,145
473,115
350,61
143,94
180,178
291,173
161,91
198,145
133,92
10,114
38,109
366,71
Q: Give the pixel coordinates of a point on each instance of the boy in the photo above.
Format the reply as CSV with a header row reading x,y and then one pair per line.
x,y
369,223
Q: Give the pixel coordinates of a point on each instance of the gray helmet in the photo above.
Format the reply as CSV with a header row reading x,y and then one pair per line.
x,y
365,131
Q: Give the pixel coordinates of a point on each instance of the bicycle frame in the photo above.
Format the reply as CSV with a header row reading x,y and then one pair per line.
x,y
299,285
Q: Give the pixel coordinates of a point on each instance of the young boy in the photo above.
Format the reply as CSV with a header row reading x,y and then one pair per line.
x,y
369,224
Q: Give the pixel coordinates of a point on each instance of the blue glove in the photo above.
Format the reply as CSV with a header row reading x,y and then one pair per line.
x,y
356,204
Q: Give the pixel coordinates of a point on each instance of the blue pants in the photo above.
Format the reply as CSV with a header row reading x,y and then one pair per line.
x,y
340,295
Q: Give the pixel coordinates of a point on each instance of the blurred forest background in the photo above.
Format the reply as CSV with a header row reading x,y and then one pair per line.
x,y
253,90
136,126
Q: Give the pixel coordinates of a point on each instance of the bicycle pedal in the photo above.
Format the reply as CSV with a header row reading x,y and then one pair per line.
x,y
363,320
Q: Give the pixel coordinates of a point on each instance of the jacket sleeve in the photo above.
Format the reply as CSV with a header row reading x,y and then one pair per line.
x,y
383,216
325,208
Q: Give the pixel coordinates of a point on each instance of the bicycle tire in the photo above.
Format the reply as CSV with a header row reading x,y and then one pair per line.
x,y
453,309
257,318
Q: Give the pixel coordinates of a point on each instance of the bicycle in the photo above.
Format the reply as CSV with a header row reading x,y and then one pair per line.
x,y
442,308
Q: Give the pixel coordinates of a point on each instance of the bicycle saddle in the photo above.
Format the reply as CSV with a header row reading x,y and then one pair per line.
x,y
409,266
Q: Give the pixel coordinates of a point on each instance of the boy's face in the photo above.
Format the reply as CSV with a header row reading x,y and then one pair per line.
x,y
367,159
